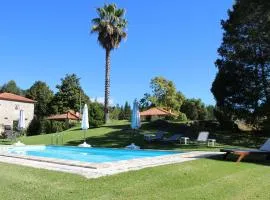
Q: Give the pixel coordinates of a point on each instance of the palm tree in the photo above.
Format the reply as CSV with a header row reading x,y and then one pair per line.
x,y
110,25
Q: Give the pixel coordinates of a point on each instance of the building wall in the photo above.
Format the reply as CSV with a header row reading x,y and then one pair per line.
x,y
10,111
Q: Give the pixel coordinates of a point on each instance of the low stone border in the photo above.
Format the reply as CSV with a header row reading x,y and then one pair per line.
x,y
95,170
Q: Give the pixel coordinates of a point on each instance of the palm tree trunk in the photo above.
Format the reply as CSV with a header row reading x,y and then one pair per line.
x,y
107,86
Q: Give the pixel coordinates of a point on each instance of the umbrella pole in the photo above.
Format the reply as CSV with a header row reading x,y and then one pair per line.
x,y
84,135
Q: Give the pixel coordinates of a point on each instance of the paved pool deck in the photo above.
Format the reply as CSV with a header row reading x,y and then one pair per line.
x,y
95,170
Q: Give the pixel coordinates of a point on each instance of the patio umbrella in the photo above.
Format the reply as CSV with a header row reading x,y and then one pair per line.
x,y
135,122
135,118
85,125
21,126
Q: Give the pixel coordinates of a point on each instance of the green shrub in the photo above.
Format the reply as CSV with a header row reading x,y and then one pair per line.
x,y
171,117
58,126
182,117
54,126
96,114
35,127
46,126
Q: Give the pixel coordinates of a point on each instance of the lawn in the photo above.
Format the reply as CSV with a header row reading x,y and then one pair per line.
x,y
118,134
200,179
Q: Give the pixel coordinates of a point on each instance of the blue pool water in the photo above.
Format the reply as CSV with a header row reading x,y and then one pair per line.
x,y
96,155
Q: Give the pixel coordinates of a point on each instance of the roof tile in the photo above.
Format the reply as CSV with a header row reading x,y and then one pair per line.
x,y
13,97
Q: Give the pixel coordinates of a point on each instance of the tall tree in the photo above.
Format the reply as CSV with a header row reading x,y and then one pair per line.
x,y
210,112
241,86
165,94
110,26
40,92
70,95
194,109
11,87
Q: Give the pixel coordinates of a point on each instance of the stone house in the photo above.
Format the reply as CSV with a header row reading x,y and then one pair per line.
x,y
10,106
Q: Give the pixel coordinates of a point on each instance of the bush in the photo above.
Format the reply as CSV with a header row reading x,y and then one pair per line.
x,y
35,127
54,126
170,117
96,114
182,117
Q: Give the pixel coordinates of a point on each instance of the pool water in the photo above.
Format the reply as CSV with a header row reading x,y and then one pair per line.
x,y
94,155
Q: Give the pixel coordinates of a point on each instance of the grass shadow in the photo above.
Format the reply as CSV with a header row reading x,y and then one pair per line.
x,y
124,137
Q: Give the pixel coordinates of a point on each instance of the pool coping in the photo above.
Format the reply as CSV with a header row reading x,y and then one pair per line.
x,y
95,170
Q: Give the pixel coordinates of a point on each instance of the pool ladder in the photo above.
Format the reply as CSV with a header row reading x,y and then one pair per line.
x,y
57,139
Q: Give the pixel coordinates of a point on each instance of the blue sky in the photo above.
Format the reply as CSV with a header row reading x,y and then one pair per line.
x,y
177,39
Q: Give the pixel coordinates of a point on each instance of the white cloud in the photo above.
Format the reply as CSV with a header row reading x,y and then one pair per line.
x,y
101,100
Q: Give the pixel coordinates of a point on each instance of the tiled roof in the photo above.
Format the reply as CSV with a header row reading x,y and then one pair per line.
x,y
14,97
156,112
68,115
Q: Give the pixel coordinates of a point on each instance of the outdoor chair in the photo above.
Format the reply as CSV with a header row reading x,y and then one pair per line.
x,y
155,137
173,138
241,153
8,132
203,138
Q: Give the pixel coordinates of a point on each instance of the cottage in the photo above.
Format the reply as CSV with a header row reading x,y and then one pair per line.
x,y
69,116
155,113
10,106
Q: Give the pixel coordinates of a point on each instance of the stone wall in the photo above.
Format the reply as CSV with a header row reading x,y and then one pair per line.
x,y
10,111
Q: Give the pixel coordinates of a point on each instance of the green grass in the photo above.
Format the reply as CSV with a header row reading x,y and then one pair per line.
x,y
200,179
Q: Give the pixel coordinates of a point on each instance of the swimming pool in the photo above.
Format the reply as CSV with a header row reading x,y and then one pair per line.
x,y
92,155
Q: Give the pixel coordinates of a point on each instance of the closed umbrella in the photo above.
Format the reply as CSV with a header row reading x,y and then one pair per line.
x,y
85,125
135,122
135,118
85,120
21,126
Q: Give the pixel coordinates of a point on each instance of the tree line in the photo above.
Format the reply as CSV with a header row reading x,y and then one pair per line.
x,y
69,96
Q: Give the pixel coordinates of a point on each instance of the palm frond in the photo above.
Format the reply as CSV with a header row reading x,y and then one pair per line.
x,y
110,26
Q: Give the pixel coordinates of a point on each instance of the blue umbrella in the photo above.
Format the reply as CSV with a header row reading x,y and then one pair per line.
x,y
135,122
135,118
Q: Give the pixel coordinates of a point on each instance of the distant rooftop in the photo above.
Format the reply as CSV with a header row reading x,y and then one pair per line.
x,y
156,112
69,115
13,97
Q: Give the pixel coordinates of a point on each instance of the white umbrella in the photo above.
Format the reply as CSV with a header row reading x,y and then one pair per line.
x,y
135,118
85,124
135,122
21,126
85,120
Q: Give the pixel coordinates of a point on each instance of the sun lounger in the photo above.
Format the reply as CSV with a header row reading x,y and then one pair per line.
x,y
263,150
155,137
203,137
173,138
